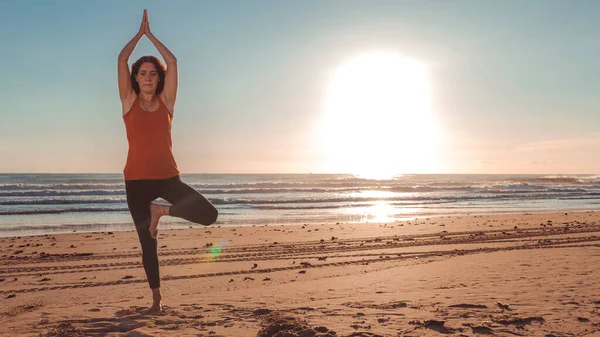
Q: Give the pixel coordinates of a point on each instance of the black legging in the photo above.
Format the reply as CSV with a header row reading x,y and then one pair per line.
x,y
186,203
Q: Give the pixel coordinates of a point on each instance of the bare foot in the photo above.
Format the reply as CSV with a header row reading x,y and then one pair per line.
x,y
156,308
156,211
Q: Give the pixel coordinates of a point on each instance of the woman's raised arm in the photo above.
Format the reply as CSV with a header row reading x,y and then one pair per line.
x,y
125,88
171,77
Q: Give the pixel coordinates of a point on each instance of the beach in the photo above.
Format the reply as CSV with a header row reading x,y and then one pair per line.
x,y
523,274
300,169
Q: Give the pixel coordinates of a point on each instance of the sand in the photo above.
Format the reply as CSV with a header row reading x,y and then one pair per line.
x,y
499,275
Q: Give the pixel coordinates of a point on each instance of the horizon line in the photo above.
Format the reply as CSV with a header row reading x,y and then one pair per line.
x,y
300,173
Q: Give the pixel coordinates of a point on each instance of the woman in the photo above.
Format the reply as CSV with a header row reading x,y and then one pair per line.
x,y
148,99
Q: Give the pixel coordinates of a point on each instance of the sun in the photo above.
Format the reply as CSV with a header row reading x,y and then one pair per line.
x,y
378,120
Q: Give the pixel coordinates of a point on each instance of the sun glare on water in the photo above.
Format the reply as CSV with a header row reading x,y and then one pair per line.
x,y
378,120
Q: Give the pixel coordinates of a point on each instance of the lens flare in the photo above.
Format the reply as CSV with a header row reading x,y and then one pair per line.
x,y
214,250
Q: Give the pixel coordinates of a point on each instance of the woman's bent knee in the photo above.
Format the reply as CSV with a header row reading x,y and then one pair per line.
x,y
211,216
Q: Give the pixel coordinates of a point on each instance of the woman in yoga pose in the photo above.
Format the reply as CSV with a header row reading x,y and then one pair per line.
x,y
148,95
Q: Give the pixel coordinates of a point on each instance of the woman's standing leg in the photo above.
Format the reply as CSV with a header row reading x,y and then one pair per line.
x,y
140,193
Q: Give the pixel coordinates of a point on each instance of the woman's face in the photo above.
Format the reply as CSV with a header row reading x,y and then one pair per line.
x,y
147,78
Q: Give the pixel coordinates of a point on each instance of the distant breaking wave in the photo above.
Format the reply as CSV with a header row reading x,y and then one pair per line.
x,y
69,210
296,203
507,188
416,183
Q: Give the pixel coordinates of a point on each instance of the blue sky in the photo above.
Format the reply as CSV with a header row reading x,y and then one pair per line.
x,y
514,84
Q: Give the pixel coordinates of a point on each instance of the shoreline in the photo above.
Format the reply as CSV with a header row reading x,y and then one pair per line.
x,y
41,230
531,273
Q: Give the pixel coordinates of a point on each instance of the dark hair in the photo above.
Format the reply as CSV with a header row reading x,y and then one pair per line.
x,y
160,68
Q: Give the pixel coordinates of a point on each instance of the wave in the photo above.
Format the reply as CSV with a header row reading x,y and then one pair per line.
x,y
557,179
496,188
197,185
332,203
420,198
54,193
67,210
23,186
535,190
353,205
61,202
314,199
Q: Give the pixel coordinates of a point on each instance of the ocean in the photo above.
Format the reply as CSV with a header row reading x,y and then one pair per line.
x,y
35,204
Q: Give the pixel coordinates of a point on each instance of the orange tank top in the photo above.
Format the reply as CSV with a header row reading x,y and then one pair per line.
x,y
150,153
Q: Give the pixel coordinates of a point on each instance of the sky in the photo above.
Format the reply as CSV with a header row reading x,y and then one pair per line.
x,y
507,86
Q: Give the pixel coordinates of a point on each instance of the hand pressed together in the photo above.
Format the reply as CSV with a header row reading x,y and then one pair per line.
x,y
145,25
